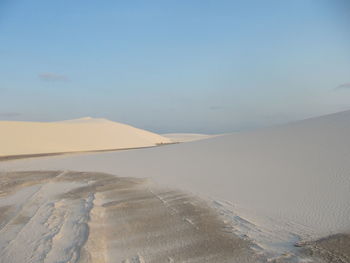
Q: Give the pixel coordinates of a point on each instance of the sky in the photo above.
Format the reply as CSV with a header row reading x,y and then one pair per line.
x,y
205,66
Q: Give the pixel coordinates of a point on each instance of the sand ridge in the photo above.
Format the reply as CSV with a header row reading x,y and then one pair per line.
x,y
29,138
286,184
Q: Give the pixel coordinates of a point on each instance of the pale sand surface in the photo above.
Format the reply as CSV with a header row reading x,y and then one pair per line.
x,y
27,156
57,216
278,186
87,134
54,216
187,137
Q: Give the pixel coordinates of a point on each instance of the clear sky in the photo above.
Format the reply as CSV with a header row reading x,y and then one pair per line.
x,y
205,66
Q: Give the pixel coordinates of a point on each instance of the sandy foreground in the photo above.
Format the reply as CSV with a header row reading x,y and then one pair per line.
x,y
61,216
280,194
54,216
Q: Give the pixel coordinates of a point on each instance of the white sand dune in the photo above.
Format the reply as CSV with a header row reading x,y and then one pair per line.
x,y
86,134
278,185
187,137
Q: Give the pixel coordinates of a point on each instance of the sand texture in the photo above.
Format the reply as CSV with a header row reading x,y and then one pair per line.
x,y
278,186
187,137
55,216
87,134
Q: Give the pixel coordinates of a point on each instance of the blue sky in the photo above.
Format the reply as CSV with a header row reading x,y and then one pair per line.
x,y
174,66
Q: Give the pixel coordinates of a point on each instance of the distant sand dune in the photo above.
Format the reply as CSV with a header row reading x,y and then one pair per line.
x,y
86,134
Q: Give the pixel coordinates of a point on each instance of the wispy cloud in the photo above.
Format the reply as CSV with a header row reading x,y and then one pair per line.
x,y
343,86
9,114
48,76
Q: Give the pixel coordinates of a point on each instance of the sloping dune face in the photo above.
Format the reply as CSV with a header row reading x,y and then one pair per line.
x,y
279,187
286,184
186,137
87,134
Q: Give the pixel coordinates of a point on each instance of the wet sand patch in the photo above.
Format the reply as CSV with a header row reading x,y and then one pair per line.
x,y
332,249
96,217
